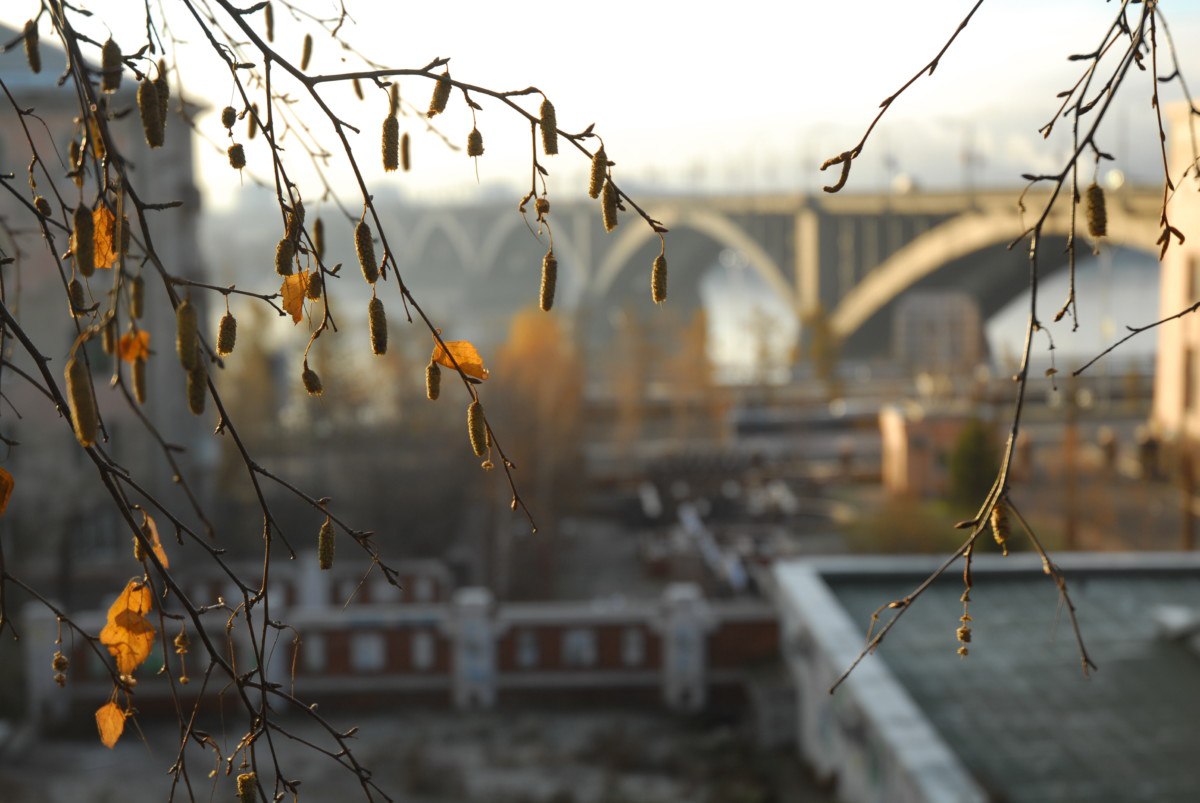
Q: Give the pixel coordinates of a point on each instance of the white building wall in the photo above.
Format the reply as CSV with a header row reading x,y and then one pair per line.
x,y
870,737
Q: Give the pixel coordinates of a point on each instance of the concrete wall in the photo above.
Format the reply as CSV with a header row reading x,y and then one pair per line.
x,y
869,738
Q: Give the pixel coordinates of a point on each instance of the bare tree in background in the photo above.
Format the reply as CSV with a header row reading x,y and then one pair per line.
x,y
84,201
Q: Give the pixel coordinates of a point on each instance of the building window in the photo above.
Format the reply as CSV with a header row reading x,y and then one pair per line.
x,y
579,647
422,649
367,652
633,646
383,592
314,653
527,649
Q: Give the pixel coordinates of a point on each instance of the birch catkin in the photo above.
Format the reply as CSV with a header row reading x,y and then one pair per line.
x,y
477,428
76,157
197,388
75,295
325,545
137,297
82,401
163,87
1094,209
391,143
1000,526
312,382
365,248
549,126
658,279
599,168
228,116
377,321
608,205
295,222
139,380
110,66
246,782
306,52
316,283
237,155
549,280
405,160
83,241
433,381
151,114
226,334
441,95
185,334
318,234
285,251
475,143
33,53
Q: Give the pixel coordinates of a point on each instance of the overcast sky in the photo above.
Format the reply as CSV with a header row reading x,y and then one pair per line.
x,y
750,96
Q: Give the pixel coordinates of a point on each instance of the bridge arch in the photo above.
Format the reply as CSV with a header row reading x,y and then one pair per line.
x,y
712,224
957,238
456,234
571,260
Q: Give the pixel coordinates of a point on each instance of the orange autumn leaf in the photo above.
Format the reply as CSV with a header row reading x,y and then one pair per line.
x,y
151,531
465,354
293,291
6,489
128,634
103,227
134,346
110,721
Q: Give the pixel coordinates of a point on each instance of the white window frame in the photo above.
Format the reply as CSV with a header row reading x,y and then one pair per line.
x,y
368,651
527,648
633,646
422,650
579,647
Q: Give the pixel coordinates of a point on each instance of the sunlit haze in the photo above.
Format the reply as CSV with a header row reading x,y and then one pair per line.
x,y
746,101
750,98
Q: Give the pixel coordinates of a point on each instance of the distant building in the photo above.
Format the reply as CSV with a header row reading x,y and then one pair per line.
x,y
1176,414
1014,721
916,443
48,463
364,641
938,331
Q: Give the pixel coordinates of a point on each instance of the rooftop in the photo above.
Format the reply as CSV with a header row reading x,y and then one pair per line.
x,y
1018,712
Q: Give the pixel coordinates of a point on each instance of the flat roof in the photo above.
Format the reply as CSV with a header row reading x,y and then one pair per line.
x,y
1017,711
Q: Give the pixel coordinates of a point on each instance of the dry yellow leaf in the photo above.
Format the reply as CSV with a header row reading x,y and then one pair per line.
x,y
6,489
134,346
103,231
151,531
110,721
464,354
293,291
128,634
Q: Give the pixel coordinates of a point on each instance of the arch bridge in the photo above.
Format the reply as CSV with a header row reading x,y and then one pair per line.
x,y
850,255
